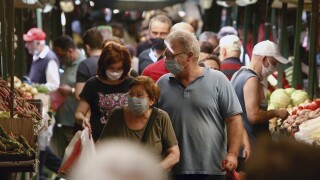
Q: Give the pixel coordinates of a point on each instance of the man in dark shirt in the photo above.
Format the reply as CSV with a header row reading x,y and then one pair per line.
x,y
159,28
92,40
229,53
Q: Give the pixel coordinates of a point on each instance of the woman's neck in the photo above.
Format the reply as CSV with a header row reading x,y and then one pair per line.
x,y
136,122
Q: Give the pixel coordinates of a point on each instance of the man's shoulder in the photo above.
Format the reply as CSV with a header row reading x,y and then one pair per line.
x,y
164,78
145,54
90,60
155,65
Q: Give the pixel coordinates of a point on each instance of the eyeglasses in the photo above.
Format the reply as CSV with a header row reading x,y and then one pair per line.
x,y
169,55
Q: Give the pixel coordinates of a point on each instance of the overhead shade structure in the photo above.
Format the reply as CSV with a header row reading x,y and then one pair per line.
x,y
25,4
307,4
135,4
228,3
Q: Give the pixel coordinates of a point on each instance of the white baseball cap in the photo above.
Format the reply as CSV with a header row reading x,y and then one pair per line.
x,y
231,42
268,48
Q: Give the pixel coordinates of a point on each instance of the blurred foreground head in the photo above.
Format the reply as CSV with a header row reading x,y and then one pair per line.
x,y
282,160
119,160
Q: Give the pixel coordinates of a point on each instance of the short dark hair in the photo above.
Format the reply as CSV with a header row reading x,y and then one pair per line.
x,y
206,47
151,87
64,42
93,38
161,18
111,54
212,58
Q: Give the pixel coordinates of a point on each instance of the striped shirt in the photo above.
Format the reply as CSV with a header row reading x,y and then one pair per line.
x,y
230,65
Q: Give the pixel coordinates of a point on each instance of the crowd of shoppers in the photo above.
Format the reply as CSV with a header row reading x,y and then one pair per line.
x,y
183,108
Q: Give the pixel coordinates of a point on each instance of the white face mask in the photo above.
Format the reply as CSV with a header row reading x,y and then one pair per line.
x,y
114,75
269,70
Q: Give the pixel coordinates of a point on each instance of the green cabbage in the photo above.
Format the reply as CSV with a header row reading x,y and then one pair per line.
x,y
290,90
298,97
279,98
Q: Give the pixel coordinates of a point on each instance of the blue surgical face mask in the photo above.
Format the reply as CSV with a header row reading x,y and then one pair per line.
x,y
138,105
173,67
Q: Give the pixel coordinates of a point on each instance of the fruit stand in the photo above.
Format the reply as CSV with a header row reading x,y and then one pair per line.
x,y
18,133
303,123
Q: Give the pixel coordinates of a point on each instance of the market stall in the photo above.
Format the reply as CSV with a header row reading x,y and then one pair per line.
x,y
304,120
21,116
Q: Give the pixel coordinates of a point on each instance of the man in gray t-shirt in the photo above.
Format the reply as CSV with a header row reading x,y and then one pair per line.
x,y
204,110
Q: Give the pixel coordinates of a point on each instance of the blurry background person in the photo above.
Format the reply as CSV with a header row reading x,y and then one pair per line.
x,y
92,40
229,53
206,47
70,58
157,69
159,28
284,159
119,160
45,64
140,117
209,37
44,70
107,90
229,30
210,61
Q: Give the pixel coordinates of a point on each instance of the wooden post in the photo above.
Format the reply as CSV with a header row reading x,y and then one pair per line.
x,y
268,20
312,78
10,56
4,52
283,42
297,72
247,21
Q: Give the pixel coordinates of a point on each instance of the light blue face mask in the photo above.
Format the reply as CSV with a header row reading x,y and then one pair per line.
x,y
137,105
173,67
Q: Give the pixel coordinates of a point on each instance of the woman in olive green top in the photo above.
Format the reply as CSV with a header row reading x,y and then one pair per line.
x,y
130,122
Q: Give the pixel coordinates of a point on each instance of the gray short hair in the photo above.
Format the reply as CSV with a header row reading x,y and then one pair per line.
x,y
187,40
205,35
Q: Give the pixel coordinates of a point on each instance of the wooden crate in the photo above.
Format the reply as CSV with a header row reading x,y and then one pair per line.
x,y
20,126
25,128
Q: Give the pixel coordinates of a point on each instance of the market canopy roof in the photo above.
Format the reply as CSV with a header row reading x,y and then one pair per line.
x,y
307,4
135,4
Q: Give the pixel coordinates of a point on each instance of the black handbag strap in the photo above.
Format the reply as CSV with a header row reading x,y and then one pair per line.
x,y
148,128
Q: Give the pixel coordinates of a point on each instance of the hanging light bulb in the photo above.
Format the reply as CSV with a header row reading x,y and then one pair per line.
x,y
77,2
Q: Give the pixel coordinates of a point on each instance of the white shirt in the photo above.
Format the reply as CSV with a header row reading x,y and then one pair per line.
x,y
153,56
52,71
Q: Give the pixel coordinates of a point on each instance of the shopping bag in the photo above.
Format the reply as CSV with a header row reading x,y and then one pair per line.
x,y
57,99
231,175
79,149
71,153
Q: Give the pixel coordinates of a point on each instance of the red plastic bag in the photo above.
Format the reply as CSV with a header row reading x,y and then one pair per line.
x,y
231,175
57,99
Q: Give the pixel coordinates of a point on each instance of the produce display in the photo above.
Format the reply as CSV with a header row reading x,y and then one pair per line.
x,y
287,98
304,120
14,147
22,109
28,91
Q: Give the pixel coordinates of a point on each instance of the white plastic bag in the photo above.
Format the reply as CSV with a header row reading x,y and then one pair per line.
x,y
80,147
